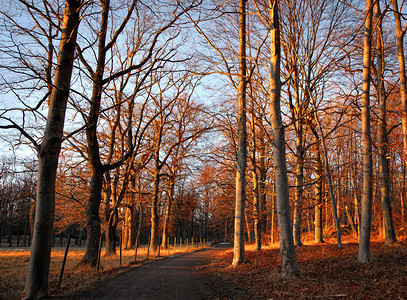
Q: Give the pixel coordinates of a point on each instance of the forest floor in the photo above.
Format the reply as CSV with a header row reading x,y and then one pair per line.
x,y
327,272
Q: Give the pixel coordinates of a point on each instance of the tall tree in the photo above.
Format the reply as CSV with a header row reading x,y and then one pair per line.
x,y
48,154
400,33
238,247
318,234
367,161
287,250
384,175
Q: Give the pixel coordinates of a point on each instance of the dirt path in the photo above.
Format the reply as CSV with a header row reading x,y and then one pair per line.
x,y
168,278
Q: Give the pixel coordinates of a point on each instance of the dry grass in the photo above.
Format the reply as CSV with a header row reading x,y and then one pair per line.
x,y
14,264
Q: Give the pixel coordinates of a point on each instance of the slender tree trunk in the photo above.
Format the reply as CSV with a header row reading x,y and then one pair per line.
x,y
330,185
168,213
32,218
256,213
238,248
318,232
127,223
256,196
48,154
95,164
140,223
262,183
350,221
154,213
132,228
248,228
400,33
299,179
287,249
107,216
273,217
366,217
384,174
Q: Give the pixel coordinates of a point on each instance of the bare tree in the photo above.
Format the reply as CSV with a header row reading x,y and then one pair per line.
x,y
238,247
390,234
288,258
367,196
48,150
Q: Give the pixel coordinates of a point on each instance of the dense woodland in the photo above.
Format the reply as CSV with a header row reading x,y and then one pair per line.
x,y
190,120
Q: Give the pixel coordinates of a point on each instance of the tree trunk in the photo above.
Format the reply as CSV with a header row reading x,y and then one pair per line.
x,y
92,219
287,249
366,217
238,248
318,232
350,221
108,217
95,164
402,70
256,212
248,228
384,174
256,194
154,213
299,176
262,183
110,234
140,223
329,181
127,223
168,213
32,218
48,154
273,217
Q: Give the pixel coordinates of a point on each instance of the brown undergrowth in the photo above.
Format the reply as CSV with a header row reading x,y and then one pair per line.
x,y
327,272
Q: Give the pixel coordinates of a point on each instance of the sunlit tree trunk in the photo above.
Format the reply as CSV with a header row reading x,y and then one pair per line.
x,y
238,248
48,154
367,195
139,227
255,181
299,179
127,224
256,213
262,182
390,234
154,212
95,164
318,232
400,33
330,184
106,212
167,215
287,249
